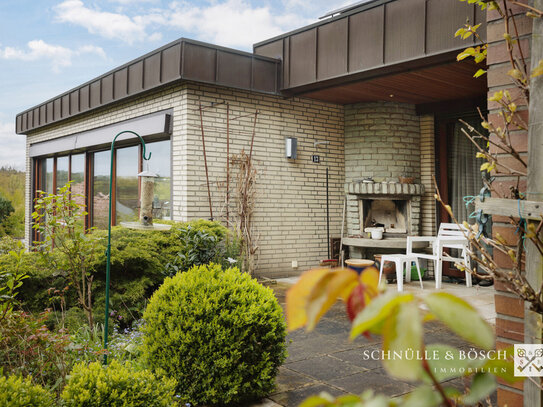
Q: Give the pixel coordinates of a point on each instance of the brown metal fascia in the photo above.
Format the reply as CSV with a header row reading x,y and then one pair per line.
x,y
24,128
362,8
400,67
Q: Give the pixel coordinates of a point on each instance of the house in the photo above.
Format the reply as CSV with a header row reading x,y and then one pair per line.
x,y
373,90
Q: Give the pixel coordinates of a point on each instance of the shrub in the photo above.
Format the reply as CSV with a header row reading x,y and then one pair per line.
x,y
219,333
87,344
94,385
139,260
7,244
6,208
202,242
29,348
18,392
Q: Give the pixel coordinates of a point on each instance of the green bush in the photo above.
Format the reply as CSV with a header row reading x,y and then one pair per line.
x,y
138,263
219,333
139,260
18,392
94,385
8,243
30,349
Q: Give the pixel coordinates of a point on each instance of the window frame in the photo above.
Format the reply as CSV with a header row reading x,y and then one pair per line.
x,y
39,174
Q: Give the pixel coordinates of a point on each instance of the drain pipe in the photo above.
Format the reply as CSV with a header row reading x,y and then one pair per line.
x,y
316,144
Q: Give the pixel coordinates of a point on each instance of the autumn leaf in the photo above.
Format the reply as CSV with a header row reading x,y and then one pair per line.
x,y
297,297
337,283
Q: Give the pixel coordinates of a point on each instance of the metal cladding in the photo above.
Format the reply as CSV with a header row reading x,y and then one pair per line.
x,y
362,42
183,59
376,38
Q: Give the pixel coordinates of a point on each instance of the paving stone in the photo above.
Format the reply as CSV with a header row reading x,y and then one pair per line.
x,y
379,383
295,397
324,368
356,357
289,380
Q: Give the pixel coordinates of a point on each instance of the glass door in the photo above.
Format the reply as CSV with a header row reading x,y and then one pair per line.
x,y
459,172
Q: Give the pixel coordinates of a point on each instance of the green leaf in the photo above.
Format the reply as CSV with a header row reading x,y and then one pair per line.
x,y
459,32
323,399
422,396
483,385
376,312
402,342
445,362
462,318
504,369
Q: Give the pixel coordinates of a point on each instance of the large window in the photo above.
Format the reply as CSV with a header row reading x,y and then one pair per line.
x,y
127,184
63,171
160,164
90,176
100,189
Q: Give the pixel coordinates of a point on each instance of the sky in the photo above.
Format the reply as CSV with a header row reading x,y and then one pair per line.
x,y
50,46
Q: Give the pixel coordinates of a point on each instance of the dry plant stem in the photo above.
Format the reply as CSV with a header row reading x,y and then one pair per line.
x,y
506,148
490,157
205,161
524,66
437,384
532,9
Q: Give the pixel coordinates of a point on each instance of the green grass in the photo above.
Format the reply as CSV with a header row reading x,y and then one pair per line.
x,y
12,187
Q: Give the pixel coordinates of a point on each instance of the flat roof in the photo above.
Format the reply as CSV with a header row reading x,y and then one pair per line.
x,y
183,59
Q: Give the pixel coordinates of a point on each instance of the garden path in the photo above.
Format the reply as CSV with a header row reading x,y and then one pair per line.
x,y
325,360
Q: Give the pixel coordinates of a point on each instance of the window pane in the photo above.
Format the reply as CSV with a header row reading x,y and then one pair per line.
x,y
160,164
127,184
100,179
78,178
63,164
48,176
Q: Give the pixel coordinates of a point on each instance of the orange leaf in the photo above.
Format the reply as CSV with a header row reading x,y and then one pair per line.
x,y
356,302
337,283
297,297
370,278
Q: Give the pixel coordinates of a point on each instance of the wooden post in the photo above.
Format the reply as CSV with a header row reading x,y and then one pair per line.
x,y
534,265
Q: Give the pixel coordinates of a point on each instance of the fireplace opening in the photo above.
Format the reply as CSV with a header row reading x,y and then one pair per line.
x,y
391,214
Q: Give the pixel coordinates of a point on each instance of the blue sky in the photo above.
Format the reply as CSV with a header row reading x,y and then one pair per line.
x,y
50,46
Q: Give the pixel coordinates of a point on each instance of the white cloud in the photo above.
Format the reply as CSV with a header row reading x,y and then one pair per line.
x,y
59,56
133,1
13,148
103,23
233,23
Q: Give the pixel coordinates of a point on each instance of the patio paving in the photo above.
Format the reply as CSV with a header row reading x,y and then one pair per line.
x,y
325,360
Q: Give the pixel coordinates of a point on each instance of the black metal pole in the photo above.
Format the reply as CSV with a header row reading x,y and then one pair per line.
x,y
327,215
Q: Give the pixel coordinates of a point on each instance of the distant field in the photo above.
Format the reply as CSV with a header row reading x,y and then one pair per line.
x,y
12,187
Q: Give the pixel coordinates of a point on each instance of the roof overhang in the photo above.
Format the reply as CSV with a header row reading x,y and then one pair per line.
x,y
375,39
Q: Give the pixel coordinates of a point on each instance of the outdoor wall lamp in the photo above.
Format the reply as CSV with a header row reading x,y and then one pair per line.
x,y
291,147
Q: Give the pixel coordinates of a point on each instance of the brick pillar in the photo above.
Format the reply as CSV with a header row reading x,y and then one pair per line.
x,y
509,309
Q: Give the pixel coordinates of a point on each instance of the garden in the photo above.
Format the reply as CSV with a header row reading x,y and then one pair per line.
x,y
186,328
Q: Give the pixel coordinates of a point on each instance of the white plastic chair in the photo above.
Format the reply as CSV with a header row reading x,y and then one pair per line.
x,y
403,264
450,236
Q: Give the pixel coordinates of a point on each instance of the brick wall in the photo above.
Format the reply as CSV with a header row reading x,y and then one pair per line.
x,y
427,171
166,98
509,309
383,141
290,213
290,207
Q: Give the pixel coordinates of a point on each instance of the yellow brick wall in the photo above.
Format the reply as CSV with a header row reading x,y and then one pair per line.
x,y
427,171
290,209
290,214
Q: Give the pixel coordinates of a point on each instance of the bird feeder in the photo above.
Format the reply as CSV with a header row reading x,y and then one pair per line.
x,y
147,179
147,192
